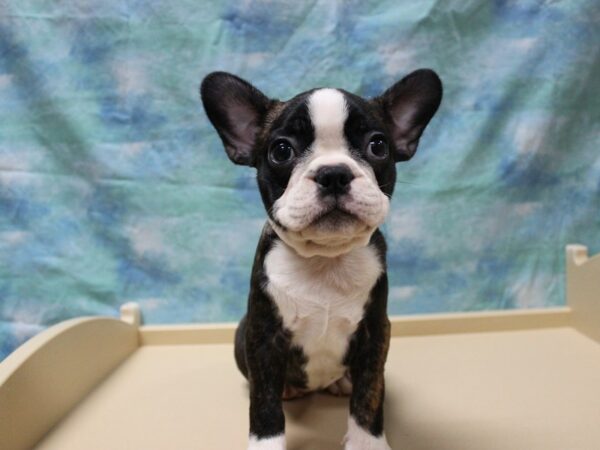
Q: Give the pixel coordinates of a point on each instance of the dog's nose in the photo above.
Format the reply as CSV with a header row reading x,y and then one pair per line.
x,y
334,180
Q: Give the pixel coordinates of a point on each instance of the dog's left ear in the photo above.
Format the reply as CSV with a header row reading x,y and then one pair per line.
x,y
408,106
237,110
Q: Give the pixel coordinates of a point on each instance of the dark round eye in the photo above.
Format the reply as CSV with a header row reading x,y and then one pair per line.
x,y
281,152
378,148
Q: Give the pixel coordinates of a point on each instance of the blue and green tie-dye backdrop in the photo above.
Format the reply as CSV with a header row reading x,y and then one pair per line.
x,y
113,186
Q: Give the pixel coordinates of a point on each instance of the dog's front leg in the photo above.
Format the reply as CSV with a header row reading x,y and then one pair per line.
x,y
369,352
267,350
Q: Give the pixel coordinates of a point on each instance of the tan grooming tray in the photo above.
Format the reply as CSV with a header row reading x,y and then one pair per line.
x,y
510,380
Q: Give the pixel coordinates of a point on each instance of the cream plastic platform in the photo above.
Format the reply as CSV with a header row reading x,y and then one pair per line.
x,y
510,380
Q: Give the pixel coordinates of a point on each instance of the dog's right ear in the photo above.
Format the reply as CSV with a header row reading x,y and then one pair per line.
x,y
237,110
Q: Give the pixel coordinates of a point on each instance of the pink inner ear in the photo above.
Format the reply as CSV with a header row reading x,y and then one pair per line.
x,y
406,132
404,117
244,124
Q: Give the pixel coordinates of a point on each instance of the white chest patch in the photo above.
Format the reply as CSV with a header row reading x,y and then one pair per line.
x,y
321,301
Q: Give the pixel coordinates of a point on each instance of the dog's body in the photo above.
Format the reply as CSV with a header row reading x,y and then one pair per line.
x,y
317,305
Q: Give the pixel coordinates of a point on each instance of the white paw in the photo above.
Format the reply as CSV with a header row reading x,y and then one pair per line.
x,y
357,438
272,443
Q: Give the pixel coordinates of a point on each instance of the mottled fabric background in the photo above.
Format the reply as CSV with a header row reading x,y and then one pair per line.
x,y
114,187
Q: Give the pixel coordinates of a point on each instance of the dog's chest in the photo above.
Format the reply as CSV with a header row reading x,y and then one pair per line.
x,y
321,301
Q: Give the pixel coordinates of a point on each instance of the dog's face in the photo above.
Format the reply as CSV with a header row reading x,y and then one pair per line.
x,y
326,158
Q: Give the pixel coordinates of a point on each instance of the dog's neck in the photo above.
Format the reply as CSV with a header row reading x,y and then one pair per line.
x,y
330,248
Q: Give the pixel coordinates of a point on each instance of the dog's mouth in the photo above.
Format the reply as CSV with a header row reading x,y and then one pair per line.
x,y
333,230
334,218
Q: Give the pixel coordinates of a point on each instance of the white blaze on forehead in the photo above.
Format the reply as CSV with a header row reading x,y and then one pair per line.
x,y
328,112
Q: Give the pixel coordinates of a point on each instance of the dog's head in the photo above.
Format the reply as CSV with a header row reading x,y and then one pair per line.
x,y
325,159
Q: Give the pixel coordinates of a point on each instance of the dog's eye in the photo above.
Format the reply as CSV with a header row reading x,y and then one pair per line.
x,y
378,148
281,152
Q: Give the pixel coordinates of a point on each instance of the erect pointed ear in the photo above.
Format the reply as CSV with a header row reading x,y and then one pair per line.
x,y
408,106
237,110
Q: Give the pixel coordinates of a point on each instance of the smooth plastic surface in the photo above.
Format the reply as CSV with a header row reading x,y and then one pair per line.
x,y
518,380
583,290
49,374
518,390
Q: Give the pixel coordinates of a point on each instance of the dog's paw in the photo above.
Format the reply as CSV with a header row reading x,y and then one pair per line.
x,y
341,387
291,393
271,443
357,438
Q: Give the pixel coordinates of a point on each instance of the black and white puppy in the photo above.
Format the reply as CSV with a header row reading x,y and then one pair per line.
x,y
317,318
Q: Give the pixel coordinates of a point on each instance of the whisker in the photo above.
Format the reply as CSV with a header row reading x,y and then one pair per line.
x,y
397,181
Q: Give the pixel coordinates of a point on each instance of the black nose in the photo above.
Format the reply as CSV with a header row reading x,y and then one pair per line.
x,y
334,180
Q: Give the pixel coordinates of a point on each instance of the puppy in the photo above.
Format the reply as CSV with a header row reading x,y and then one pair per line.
x,y
316,318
